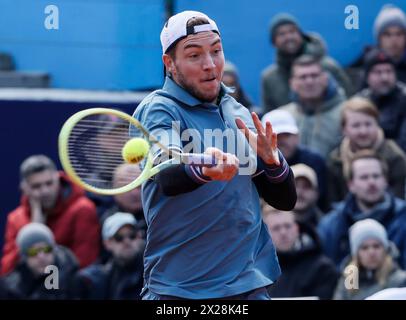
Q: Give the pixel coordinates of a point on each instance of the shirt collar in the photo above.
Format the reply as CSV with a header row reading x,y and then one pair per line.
x,y
182,95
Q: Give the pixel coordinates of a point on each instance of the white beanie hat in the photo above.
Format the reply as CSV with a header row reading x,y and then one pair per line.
x,y
389,15
364,230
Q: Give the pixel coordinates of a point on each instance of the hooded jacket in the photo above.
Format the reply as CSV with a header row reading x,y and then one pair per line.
x,y
73,221
333,227
275,78
306,271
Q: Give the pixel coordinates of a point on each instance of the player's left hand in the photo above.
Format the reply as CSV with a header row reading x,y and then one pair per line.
x,y
264,142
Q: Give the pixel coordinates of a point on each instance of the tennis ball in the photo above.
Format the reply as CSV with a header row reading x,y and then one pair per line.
x,y
135,150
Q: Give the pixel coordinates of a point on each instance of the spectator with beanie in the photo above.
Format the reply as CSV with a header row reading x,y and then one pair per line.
x,y
390,34
390,31
359,123
37,250
290,43
122,276
388,94
366,177
371,259
51,198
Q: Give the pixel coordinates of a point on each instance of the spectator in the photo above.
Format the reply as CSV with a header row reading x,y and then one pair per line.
x,y
122,276
129,201
390,34
388,94
38,250
290,43
305,270
390,31
306,210
368,198
284,125
109,124
231,79
361,130
372,261
49,197
316,106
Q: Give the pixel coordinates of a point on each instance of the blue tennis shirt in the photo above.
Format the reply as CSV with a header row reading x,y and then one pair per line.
x,y
210,242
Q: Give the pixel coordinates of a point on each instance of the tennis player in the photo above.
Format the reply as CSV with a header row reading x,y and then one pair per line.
x,y
205,237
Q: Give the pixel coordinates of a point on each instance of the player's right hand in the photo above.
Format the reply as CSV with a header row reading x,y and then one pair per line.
x,y
226,167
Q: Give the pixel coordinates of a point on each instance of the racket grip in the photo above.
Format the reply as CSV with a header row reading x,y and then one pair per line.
x,y
199,159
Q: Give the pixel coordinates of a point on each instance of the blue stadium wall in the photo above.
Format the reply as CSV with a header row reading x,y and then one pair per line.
x,y
114,44
100,44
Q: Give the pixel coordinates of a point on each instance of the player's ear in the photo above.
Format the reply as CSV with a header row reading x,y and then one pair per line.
x,y
169,63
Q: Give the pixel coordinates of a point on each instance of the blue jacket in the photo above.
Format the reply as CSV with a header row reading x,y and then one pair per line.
x,y
333,228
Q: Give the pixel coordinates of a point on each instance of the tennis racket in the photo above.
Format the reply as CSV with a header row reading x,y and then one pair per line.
x,y
90,149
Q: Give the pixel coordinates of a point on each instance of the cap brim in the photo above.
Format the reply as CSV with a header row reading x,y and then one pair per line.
x,y
285,129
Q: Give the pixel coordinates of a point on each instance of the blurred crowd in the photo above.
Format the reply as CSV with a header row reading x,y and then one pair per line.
x,y
342,131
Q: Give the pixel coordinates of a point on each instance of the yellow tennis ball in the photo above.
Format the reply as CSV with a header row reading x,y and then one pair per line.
x,y
135,150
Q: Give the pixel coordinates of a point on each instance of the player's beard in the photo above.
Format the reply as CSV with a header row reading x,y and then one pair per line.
x,y
199,94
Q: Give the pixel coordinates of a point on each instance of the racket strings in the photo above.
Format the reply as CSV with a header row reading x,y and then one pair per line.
x,y
95,147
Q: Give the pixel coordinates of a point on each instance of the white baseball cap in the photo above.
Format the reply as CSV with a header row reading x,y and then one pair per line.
x,y
113,223
176,28
282,121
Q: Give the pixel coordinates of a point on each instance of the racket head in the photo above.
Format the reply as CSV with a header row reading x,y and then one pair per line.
x,y
90,145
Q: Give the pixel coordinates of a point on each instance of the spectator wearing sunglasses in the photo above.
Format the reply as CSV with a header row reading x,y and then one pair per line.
x,y
121,278
31,279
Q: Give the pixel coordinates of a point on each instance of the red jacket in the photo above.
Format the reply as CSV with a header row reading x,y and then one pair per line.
x,y
74,223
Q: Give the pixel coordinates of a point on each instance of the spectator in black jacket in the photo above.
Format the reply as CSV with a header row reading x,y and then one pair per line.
x,y
121,278
46,270
306,272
